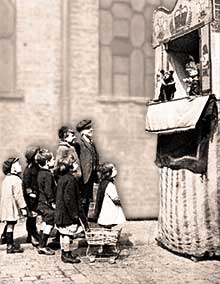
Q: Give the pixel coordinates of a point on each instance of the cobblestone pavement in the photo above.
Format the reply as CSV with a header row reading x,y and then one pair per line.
x,y
141,261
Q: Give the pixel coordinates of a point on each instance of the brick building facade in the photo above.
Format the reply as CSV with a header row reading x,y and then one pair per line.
x,y
65,60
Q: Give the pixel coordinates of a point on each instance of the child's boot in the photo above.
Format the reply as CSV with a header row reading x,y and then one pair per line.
x,y
67,257
43,249
11,248
3,236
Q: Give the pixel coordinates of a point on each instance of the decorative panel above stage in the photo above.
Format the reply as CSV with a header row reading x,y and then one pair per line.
x,y
186,16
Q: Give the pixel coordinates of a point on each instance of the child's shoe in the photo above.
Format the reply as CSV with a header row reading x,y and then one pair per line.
x,y
46,251
3,239
34,241
28,239
14,249
67,257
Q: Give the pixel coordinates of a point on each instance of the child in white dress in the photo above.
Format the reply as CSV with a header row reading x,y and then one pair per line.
x,y
109,211
12,205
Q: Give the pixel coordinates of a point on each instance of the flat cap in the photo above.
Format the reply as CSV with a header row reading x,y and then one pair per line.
x,y
31,152
42,156
84,124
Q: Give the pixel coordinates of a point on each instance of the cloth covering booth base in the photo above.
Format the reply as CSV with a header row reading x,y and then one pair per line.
x,y
188,144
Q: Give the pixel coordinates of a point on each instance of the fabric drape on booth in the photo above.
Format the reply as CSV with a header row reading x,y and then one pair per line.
x,y
186,146
189,149
189,217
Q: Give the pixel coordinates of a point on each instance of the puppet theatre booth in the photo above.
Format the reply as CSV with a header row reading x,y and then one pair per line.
x,y
184,115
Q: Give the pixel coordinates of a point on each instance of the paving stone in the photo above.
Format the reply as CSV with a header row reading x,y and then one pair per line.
x,y
29,278
143,263
80,279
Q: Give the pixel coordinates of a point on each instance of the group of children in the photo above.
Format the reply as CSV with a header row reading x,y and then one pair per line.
x,y
52,188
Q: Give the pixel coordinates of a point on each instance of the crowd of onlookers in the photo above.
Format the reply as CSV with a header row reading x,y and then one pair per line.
x,y
59,189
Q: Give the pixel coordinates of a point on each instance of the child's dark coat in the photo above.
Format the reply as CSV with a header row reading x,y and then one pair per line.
x,y
47,195
67,201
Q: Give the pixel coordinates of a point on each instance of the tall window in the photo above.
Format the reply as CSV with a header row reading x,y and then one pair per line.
x,y
7,47
126,55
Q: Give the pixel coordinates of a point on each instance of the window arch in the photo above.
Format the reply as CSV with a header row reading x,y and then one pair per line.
x,y
7,47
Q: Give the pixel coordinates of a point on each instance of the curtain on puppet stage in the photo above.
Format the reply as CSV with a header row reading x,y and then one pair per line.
x,y
184,129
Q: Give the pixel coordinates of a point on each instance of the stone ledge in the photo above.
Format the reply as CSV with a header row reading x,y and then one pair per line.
x,y
14,95
121,99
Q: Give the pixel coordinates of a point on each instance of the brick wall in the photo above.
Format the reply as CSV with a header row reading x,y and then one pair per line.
x,y
117,103
31,113
57,80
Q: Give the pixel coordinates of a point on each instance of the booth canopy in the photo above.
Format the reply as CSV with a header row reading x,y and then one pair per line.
x,y
176,115
184,128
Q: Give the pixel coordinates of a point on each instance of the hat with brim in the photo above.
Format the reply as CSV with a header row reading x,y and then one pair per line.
x,y
84,124
6,167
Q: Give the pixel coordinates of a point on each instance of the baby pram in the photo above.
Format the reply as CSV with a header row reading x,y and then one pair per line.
x,y
100,237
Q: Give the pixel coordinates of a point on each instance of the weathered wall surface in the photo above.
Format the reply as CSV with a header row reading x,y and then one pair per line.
x,y
111,78
30,113
60,76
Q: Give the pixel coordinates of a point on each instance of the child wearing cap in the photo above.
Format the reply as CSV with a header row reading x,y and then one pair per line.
x,y
47,197
31,193
12,205
67,206
66,148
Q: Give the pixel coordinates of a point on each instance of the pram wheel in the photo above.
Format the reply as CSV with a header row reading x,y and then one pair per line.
x,y
92,259
112,260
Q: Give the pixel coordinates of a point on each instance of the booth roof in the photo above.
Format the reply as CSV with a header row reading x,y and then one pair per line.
x,y
176,115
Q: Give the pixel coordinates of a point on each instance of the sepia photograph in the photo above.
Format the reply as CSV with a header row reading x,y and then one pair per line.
x,y
110,141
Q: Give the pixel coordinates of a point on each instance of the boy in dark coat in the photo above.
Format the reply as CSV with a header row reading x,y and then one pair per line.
x,y
66,150
31,193
47,196
67,206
